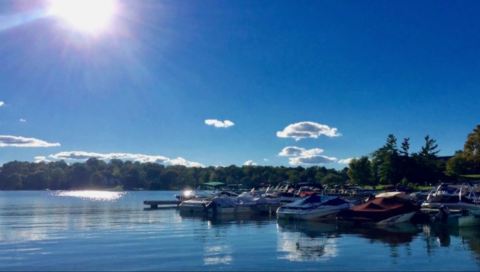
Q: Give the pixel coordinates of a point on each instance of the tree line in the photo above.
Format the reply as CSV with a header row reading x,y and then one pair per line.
x,y
395,164
391,164
128,175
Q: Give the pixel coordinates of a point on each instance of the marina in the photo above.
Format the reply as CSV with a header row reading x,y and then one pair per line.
x,y
70,231
458,204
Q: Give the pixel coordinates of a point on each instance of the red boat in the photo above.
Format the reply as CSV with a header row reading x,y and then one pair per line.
x,y
384,209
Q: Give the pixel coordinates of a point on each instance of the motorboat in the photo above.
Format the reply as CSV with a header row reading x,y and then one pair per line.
x,y
230,203
194,206
384,209
455,197
312,207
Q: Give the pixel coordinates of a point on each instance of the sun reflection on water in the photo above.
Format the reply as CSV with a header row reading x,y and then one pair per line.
x,y
92,195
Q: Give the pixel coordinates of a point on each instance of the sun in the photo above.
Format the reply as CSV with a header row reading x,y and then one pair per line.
x,y
88,16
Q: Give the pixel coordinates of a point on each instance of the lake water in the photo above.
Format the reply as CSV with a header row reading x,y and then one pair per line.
x,y
111,231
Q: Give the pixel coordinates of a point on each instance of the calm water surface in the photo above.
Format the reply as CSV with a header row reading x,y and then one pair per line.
x,y
112,231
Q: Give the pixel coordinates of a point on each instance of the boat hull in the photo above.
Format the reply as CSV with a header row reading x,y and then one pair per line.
x,y
398,219
310,214
473,208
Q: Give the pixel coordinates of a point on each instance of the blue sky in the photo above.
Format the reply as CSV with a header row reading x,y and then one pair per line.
x,y
367,68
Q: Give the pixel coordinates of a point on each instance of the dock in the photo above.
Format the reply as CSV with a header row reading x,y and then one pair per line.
x,y
162,204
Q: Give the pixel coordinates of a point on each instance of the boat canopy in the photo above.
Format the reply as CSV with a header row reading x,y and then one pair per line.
x,y
213,183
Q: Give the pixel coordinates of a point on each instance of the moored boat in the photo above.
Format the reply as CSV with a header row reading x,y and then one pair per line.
x,y
454,197
312,208
384,209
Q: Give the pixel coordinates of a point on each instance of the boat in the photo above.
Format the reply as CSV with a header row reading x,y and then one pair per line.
x,y
384,209
230,203
312,207
454,197
194,206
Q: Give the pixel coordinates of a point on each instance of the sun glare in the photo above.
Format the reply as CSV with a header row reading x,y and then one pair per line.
x,y
89,16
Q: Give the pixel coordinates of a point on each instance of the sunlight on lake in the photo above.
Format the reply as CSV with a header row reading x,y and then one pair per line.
x,y
92,195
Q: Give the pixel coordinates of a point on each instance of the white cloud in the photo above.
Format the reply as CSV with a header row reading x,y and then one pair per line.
x,y
295,151
2,103
184,162
22,120
218,123
345,161
38,159
250,163
315,159
80,156
19,141
299,155
307,129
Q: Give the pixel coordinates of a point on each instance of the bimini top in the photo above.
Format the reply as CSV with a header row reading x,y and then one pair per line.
x,y
213,183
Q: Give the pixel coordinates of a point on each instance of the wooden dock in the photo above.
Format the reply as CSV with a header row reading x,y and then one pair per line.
x,y
162,204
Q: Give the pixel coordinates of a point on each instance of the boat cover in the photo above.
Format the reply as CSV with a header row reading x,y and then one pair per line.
x,y
379,209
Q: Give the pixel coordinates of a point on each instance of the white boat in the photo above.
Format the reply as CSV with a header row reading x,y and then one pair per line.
x,y
454,197
246,203
398,219
312,207
194,206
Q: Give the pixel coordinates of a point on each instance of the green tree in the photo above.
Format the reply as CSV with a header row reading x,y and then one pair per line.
x,y
458,165
332,178
429,149
468,160
405,148
386,162
472,147
360,171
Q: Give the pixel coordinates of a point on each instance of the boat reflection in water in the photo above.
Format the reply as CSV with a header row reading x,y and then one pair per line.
x,y
222,220
307,241
391,235
331,241
439,236
318,241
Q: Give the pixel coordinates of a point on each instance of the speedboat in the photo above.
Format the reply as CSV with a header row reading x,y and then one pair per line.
x,y
383,209
228,203
194,206
454,197
312,207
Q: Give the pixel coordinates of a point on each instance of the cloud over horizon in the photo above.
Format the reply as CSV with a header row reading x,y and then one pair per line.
x,y
80,156
345,161
19,141
299,155
315,159
295,151
219,123
2,103
307,129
